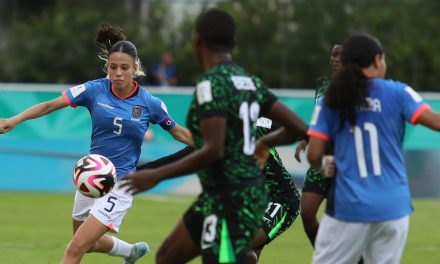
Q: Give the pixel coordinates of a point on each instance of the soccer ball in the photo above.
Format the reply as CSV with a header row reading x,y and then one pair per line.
x,y
94,175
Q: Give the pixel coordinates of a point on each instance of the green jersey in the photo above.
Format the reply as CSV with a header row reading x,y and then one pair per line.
x,y
314,182
322,85
229,91
278,180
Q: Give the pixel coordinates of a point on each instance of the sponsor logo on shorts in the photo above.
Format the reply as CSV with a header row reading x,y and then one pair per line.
x,y
104,214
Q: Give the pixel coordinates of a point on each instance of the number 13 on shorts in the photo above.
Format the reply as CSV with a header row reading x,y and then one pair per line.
x,y
209,231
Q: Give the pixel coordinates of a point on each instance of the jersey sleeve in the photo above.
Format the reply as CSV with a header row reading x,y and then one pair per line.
x,y
78,95
265,97
212,98
267,100
320,124
160,114
413,104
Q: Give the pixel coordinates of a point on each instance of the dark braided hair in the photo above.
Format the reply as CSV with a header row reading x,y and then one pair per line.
x,y
217,30
348,89
109,40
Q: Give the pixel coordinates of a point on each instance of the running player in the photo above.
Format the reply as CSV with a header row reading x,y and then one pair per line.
x,y
226,105
365,115
121,111
284,197
315,186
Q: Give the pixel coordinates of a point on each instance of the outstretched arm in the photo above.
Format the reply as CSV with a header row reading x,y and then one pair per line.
x,y
293,128
166,160
181,134
429,119
213,133
31,113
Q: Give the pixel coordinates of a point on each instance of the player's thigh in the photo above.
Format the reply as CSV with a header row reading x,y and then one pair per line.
x,y
87,234
230,223
178,247
278,217
387,241
340,242
310,203
111,209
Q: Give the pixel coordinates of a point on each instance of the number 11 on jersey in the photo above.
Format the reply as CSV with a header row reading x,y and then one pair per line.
x,y
360,152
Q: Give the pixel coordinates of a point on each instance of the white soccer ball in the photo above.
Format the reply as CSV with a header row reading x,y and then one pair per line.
x,y
94,175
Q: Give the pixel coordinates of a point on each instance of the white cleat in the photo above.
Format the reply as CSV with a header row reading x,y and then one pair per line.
x,y
139,249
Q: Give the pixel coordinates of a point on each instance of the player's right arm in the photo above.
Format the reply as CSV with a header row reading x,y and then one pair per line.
x,y
35,111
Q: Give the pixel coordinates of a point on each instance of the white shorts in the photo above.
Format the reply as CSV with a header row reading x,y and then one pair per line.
x,y
345,242
109,210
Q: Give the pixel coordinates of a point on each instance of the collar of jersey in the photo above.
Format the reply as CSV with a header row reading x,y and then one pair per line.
x,y
134,92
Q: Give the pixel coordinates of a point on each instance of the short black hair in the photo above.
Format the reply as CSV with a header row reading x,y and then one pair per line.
x,y
217,29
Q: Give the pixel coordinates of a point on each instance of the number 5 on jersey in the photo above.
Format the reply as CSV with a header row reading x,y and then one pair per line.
x,y
118,123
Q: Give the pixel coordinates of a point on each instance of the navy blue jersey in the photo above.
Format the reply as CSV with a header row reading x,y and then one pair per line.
x,y
118,124
371,182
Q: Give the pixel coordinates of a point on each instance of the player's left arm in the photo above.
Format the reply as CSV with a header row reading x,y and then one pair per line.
x,y
293,127
181,134
429,119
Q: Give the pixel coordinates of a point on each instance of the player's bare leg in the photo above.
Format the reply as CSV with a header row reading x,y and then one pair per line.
x,y
310,203
84,240
178,247
258,244
102,245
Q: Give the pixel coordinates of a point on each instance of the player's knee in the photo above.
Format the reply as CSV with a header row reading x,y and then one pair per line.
x,y
76,248
252,258
309,219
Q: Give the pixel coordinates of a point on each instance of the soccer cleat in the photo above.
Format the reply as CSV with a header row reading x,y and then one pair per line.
x,y
139,249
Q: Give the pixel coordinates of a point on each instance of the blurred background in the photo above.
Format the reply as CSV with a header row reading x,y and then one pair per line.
x,y
47,46
286,42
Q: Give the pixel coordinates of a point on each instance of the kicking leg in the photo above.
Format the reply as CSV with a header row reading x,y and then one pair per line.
x,y
87,234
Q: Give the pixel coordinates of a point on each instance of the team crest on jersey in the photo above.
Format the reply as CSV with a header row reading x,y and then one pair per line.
x,y
136,112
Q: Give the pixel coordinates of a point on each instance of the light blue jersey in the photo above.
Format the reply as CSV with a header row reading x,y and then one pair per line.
x,y
371,182
118,124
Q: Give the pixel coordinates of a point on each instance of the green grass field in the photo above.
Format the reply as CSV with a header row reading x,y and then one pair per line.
x,y
36,227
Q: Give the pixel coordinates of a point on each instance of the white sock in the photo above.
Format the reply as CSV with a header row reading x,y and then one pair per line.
x,y
120,248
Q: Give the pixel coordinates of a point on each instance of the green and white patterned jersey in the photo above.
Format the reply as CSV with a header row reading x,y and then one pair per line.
x,y
322,85
314,182
278,180
229,91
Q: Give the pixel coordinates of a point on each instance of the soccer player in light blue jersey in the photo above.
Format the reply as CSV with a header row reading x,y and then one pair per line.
x,y
121,112
365,115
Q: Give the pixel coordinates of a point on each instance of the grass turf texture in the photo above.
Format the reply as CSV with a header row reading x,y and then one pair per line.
x,y
36,227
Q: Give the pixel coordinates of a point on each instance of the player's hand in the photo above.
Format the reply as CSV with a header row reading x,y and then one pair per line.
x,y
261,153
140,181
300,148
328,167
7,125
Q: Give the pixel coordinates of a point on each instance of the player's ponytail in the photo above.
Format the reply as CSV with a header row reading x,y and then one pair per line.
x,y
349,87
109,40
